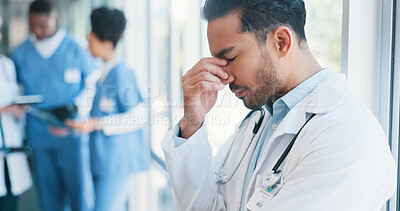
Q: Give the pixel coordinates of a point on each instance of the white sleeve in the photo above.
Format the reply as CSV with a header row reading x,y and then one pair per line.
x,y
84,100
129,121
8,83
189,166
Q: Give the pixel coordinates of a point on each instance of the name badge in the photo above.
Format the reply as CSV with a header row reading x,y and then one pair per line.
x,y
72,76
107,105
258,200
262,195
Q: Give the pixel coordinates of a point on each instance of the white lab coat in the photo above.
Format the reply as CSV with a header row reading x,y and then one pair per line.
x,y
18,168
340,160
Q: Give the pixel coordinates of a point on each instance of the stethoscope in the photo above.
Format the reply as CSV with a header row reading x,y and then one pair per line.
x,y
222,179
275,175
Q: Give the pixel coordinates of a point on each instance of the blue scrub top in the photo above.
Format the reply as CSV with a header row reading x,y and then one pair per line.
x,y
121,154
59,79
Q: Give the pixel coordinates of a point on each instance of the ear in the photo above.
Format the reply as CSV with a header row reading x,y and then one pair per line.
x,y
282,39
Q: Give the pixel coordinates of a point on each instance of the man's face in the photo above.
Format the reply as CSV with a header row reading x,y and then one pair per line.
x,y
42,25
255,79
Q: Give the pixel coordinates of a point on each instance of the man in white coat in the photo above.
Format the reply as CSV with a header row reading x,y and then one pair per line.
x,y
309,145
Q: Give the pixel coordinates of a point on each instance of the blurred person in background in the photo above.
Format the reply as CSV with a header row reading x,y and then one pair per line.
x,y
117,148
51,63
15,175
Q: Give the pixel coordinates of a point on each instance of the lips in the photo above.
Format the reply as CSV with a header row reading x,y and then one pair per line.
x,y
240,94
237,90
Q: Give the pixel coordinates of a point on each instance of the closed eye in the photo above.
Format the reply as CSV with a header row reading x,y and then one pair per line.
x,y
230,60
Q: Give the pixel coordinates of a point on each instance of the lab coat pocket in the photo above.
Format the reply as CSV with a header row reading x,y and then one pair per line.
x,y
72,76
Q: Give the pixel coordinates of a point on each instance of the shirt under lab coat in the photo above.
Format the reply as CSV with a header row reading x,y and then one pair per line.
x,y
340,160
20,176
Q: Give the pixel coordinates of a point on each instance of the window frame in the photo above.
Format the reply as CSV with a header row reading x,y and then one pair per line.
x,y
394,204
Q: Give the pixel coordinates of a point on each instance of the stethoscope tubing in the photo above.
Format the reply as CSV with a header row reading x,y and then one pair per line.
x,y
289,147
220,179
224,179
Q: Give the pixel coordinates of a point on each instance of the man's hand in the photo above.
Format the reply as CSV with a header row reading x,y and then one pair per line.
x,y
83,126
200,90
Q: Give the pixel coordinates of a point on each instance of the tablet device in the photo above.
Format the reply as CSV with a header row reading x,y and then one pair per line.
x,y
27,99
56,116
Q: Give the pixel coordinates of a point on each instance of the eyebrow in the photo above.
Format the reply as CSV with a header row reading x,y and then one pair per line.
x,y
224,51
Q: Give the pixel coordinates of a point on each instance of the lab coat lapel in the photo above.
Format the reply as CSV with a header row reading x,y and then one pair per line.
x,y
239,183
328,94
289,125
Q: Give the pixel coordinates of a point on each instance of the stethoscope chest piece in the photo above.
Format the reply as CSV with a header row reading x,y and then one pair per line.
x,y
222,179
271,180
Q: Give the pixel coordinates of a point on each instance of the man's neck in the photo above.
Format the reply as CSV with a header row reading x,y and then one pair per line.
x,y
302,69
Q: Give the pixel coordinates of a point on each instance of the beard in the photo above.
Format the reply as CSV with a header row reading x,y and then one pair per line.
x,y
267,87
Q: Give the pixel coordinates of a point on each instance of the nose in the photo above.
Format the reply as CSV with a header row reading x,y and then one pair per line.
x,y
230,78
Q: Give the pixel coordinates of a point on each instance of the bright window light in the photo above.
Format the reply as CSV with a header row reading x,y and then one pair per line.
x,y
179,9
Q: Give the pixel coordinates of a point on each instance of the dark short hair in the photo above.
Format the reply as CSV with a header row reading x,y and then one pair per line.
x,y
260,17
108,24
41,6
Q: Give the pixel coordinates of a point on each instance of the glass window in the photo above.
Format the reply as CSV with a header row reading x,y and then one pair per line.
x,y
159,71
324,31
